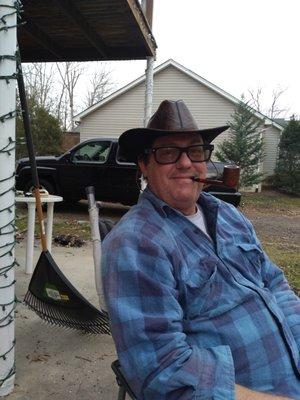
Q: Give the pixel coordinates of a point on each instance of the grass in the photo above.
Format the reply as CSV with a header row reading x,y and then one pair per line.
x,y
281,250
21,220
60,226
271,202
72,228
288,260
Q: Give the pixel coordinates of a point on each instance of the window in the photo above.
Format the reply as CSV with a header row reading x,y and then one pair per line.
x,y
122,159
93,152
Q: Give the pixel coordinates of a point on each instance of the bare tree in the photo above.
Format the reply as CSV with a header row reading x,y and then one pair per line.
x,y
275,110
255,98
99,86
61,107
54,86
62,111
39,83
70,73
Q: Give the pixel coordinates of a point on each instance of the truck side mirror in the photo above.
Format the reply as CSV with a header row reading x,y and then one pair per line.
x,y
69,158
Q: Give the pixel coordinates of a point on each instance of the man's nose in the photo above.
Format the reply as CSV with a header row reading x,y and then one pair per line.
x,y
183,161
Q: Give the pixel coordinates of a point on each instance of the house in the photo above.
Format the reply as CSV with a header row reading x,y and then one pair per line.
x,y
210,106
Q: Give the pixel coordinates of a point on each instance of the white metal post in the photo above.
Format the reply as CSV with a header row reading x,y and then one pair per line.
x,y
30,238
7,196
96,239
147,8
148,90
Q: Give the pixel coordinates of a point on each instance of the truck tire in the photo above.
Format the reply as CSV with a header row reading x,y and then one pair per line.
x,y
44,184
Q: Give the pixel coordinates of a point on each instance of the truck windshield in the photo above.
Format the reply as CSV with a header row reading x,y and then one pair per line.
x,y
94,152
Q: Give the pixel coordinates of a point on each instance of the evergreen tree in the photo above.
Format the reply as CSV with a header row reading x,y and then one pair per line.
x,y
287,171
244,146
45,130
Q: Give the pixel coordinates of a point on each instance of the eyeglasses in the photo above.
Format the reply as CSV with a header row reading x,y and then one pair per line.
x,y
171,154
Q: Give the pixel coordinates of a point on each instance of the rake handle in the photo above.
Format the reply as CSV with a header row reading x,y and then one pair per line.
x,y
40,215
30,149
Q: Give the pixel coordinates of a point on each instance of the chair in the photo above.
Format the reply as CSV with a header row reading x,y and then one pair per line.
x,y
105,227
124,388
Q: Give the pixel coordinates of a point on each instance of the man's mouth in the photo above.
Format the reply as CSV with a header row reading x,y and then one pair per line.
x,y
181,177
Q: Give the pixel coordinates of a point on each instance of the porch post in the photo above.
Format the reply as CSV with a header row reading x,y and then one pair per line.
x,y
8,30
147,7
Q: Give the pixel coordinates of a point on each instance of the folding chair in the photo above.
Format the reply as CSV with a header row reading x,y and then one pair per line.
x,y
104,228
124,388
100,228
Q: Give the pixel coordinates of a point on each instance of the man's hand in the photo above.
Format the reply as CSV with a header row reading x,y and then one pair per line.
x,y
243,393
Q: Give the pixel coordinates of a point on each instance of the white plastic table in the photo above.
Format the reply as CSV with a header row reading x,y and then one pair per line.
x,y
30,201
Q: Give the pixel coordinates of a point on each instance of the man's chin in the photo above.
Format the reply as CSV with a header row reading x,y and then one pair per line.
x,y
185,198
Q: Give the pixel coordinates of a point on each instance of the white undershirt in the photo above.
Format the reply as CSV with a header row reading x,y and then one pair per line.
x,y
199,220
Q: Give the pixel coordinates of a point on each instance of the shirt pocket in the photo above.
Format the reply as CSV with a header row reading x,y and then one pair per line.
x,y
252,259
200,292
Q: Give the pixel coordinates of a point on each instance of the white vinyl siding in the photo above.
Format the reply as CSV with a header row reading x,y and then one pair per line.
x,y
113,118
127,111
271,140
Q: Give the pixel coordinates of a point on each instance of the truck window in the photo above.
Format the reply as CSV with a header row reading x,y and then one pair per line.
x,y
121,158
93,152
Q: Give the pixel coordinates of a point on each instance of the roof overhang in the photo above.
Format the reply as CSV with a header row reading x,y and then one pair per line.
x,y
89,30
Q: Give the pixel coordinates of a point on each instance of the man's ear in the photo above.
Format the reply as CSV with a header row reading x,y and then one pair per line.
x,y
142,167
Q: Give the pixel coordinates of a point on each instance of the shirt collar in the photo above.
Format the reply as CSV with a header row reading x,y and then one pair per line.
x,y
208,202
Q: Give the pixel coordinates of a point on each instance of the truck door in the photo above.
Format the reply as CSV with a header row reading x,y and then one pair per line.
x,y
85,168
120,176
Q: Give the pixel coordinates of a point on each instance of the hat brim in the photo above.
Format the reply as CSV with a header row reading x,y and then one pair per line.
x,y
134,141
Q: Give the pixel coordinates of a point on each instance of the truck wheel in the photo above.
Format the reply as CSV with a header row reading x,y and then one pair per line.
x,y
71,202
43,184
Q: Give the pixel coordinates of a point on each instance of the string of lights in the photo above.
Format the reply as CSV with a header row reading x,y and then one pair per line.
x,y
8,224
4,270
9,115
10,145
9,375
9,12
5,354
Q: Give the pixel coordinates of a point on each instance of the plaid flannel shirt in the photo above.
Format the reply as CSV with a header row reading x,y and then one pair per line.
x,y
191,316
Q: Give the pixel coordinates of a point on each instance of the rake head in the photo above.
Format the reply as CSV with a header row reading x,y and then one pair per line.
x,y
54,299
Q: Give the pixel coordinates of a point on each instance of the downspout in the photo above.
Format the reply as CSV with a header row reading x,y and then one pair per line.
x,y
260,164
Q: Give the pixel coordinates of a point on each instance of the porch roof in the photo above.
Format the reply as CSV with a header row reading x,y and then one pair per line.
x,y
89,30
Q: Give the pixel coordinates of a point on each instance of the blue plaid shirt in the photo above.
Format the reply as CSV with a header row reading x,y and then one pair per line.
x,y
190,316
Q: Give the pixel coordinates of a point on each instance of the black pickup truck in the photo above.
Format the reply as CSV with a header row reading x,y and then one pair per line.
x,y
99,163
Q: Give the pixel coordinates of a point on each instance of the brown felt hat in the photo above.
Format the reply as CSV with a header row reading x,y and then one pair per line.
x,y
171,117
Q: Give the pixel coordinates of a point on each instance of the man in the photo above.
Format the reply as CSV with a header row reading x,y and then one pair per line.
x,y
197,309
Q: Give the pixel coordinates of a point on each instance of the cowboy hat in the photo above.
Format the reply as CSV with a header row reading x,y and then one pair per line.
x,y
171,117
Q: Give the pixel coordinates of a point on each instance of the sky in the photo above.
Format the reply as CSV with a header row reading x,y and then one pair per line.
x,y
238,45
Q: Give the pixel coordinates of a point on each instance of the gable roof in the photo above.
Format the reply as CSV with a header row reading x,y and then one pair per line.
x,y
186,71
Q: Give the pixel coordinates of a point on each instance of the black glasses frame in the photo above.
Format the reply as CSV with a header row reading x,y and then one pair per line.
x,y
207,147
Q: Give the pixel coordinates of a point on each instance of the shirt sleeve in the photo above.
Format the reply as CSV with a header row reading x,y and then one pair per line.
x,y
274,279
146,323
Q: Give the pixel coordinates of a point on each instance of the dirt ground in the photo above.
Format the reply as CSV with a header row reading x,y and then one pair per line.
x,y
285,227
53,363
281,223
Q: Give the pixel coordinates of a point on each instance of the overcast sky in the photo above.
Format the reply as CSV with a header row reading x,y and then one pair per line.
x,y
236,44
